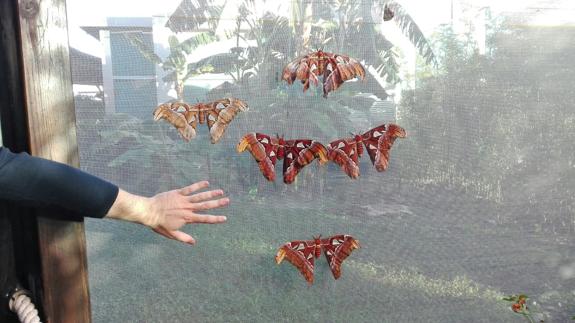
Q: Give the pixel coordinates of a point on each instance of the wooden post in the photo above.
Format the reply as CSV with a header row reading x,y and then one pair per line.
x,y
52,135
19,257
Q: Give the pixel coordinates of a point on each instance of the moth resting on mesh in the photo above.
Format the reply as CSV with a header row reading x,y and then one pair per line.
x,y
301,253
296,153
185,117
334,69
377,141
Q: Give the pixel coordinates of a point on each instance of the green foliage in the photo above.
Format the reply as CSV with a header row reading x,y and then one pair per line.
x,y
348,28
519,306
412,31
137,40
190,44
515,298
389,66
489,125
190,15
218,63
253,193
176,63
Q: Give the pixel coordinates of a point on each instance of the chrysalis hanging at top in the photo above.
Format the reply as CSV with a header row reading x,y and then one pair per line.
x,y
387,13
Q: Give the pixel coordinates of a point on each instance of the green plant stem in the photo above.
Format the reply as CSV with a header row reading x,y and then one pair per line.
x,y
528,316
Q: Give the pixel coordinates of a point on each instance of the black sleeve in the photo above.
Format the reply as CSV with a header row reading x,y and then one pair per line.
x,y
41,182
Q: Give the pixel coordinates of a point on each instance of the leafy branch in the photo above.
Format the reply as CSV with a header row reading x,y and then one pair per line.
x,y
519,306
176,63
412,31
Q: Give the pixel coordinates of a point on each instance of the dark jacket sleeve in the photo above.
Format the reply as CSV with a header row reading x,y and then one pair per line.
x,y
40,182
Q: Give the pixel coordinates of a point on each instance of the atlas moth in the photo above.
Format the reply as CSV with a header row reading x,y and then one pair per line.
x,y
296,154
334,69
377,141
301,253
185,117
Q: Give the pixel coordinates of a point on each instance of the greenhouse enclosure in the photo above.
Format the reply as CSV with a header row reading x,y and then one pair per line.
x,y
464,213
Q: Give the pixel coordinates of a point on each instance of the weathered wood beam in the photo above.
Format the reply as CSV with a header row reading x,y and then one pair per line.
x,y
19,257
52,135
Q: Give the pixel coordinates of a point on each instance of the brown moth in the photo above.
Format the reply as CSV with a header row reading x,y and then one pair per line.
x,y
185,117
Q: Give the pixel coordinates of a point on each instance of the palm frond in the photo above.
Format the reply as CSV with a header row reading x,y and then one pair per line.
x,y
412,31
218,63
389,66
191,14
196,41
137,40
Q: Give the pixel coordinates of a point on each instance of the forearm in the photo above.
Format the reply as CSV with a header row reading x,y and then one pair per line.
x,y
40,182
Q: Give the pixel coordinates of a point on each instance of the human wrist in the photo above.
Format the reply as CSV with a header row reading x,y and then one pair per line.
x,y
130,207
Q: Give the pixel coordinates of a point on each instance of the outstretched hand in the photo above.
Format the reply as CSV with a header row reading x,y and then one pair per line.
x,y
166,213
169,211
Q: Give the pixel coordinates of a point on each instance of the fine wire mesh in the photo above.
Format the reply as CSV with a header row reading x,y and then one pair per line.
x,y
477,202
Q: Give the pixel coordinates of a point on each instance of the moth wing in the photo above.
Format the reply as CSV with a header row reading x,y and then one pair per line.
x,y
264,150
180,115
298,154
378,142
345,153
301,255
337,249
222,114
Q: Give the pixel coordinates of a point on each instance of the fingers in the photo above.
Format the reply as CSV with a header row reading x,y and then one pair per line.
x,y
194,187
209,219
183,237
205,196
176,235
202,206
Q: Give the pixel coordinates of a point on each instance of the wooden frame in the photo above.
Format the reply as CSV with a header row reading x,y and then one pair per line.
x,y
52,135
18,246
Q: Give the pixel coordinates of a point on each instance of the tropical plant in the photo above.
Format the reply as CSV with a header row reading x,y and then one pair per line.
x,y
265,42
348,26
192,14
519,306
176,64
344,26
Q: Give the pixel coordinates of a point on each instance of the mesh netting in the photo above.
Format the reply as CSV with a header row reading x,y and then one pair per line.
x,y
477,202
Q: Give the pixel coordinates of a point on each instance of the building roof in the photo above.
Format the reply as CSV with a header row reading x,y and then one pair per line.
x,y
86,69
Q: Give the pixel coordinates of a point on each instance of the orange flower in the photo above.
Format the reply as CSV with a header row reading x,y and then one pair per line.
x,y
516,307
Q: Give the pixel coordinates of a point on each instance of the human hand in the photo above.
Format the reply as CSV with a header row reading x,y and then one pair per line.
x,y
166,213
169,211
